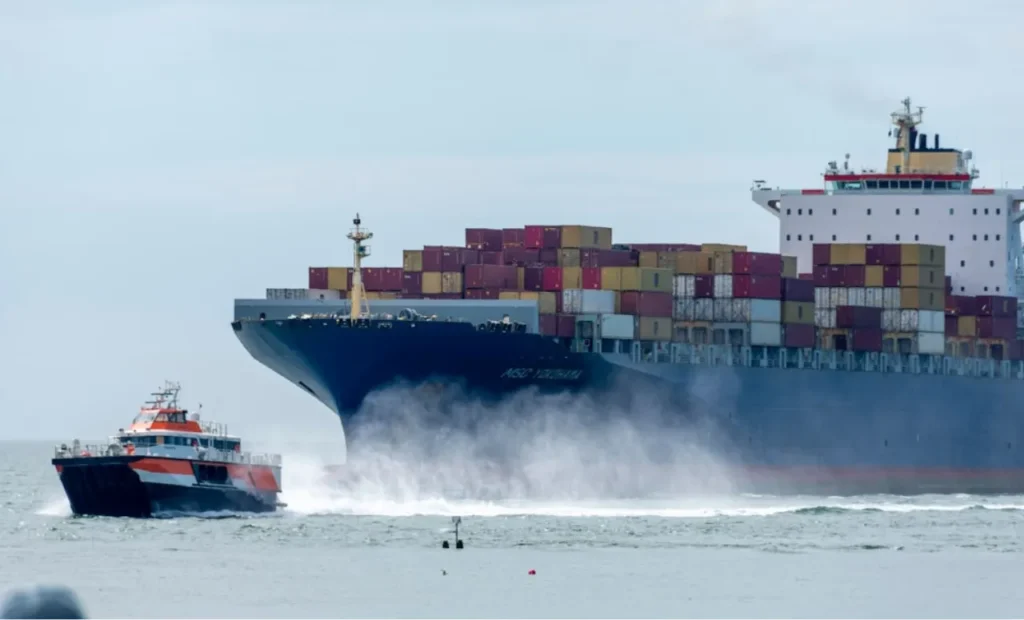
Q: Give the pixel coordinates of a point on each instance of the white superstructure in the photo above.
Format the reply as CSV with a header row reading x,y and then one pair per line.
x,y
926,194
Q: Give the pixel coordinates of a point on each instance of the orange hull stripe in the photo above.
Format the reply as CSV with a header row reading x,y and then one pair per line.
x,y
164,466
260,477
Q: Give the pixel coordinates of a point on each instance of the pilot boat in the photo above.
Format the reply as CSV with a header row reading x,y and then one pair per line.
x,y
168,461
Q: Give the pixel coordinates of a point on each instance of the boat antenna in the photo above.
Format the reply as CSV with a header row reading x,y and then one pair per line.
x,y
905,120
359,252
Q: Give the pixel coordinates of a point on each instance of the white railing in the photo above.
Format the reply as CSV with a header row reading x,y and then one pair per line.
x,y
214,428
180,452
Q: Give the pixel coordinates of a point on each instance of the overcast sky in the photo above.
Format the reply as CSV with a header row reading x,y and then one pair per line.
x,y
159,159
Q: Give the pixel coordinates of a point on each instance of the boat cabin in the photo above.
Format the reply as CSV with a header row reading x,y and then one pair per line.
x,y
174,428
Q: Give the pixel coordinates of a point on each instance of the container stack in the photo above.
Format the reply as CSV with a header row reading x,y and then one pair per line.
x,y
984,326
747,292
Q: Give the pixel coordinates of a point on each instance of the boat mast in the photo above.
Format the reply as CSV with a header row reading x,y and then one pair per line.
x,y
905,120
359,252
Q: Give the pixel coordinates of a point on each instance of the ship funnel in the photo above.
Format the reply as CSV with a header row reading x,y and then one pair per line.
x,y
922,142
936,141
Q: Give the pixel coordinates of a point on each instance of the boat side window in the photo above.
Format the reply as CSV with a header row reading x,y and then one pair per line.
x,y
904,184
939,184
915,185
872,184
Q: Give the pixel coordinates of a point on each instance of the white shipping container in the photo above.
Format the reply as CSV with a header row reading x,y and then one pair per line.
x,y
765,334
723,287
704,309
930,343
874,297
684,286
684,310
838,297
856,297
617,326
588,301
723,310
757,310
891,320
891,298
825,319
820,298
932,321
909,320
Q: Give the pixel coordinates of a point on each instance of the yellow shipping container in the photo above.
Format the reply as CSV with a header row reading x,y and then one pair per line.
x,y
546,300
611,278
789,267
649,259
722,247
693,263
587,237
451,282
967,326
569,257
646,279
798,312
874,275
667,260
848,254
509,295
653,328
922,299
923,254
917,276
412,260
431,283
960,346
572,277
723,262
338,278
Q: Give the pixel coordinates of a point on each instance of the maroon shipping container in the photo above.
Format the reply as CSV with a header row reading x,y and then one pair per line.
x,y
951,325
797,290
432,258
961,305
543,237
757,263
548,324
592,278
553,279
820,275
892,254
318,277
858,317
647,303
806,276
485,239
836,273
866,339
520,257
591,257
996,305
756,287
489,276
704,286
381,279
548,257
799,336
533,279
891,275
821,254
512,237
565,325
874,254
854,275
663,247
1001,327
483,293
412,283
491,258
453,259
443,296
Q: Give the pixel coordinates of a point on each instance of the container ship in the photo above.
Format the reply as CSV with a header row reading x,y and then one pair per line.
x,y
878,352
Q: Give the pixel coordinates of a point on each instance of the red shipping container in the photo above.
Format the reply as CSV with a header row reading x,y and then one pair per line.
x,y
452,259
512,237
543,237
857,317
533,279
799,336
565,325
491,258
432,258
866,339
484,239
553,279
806,276
318,277
757,263
821,254
797,290
951,325
647,303
488,276
960,305
820,275
483,293
704,286
412,283
592,278
891,275
380,279
548,257
1001,327
757,287
854,275
548,324
520,257
892,254
835,275
874,254
996,305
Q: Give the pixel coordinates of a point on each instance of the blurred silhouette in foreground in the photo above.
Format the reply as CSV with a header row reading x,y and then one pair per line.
x,y
41,602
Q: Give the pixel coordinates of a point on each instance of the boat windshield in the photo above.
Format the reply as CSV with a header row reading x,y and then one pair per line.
x,y
144,417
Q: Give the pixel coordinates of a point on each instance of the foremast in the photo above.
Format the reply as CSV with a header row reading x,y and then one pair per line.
x,y
359,251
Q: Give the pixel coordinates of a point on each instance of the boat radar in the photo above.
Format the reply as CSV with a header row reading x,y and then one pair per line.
x,y
360,251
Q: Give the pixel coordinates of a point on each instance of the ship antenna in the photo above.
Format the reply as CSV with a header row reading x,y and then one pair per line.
x,y
359,252
905,120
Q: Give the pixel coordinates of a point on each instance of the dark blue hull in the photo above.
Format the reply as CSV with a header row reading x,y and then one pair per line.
x,y
782,430
109,487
